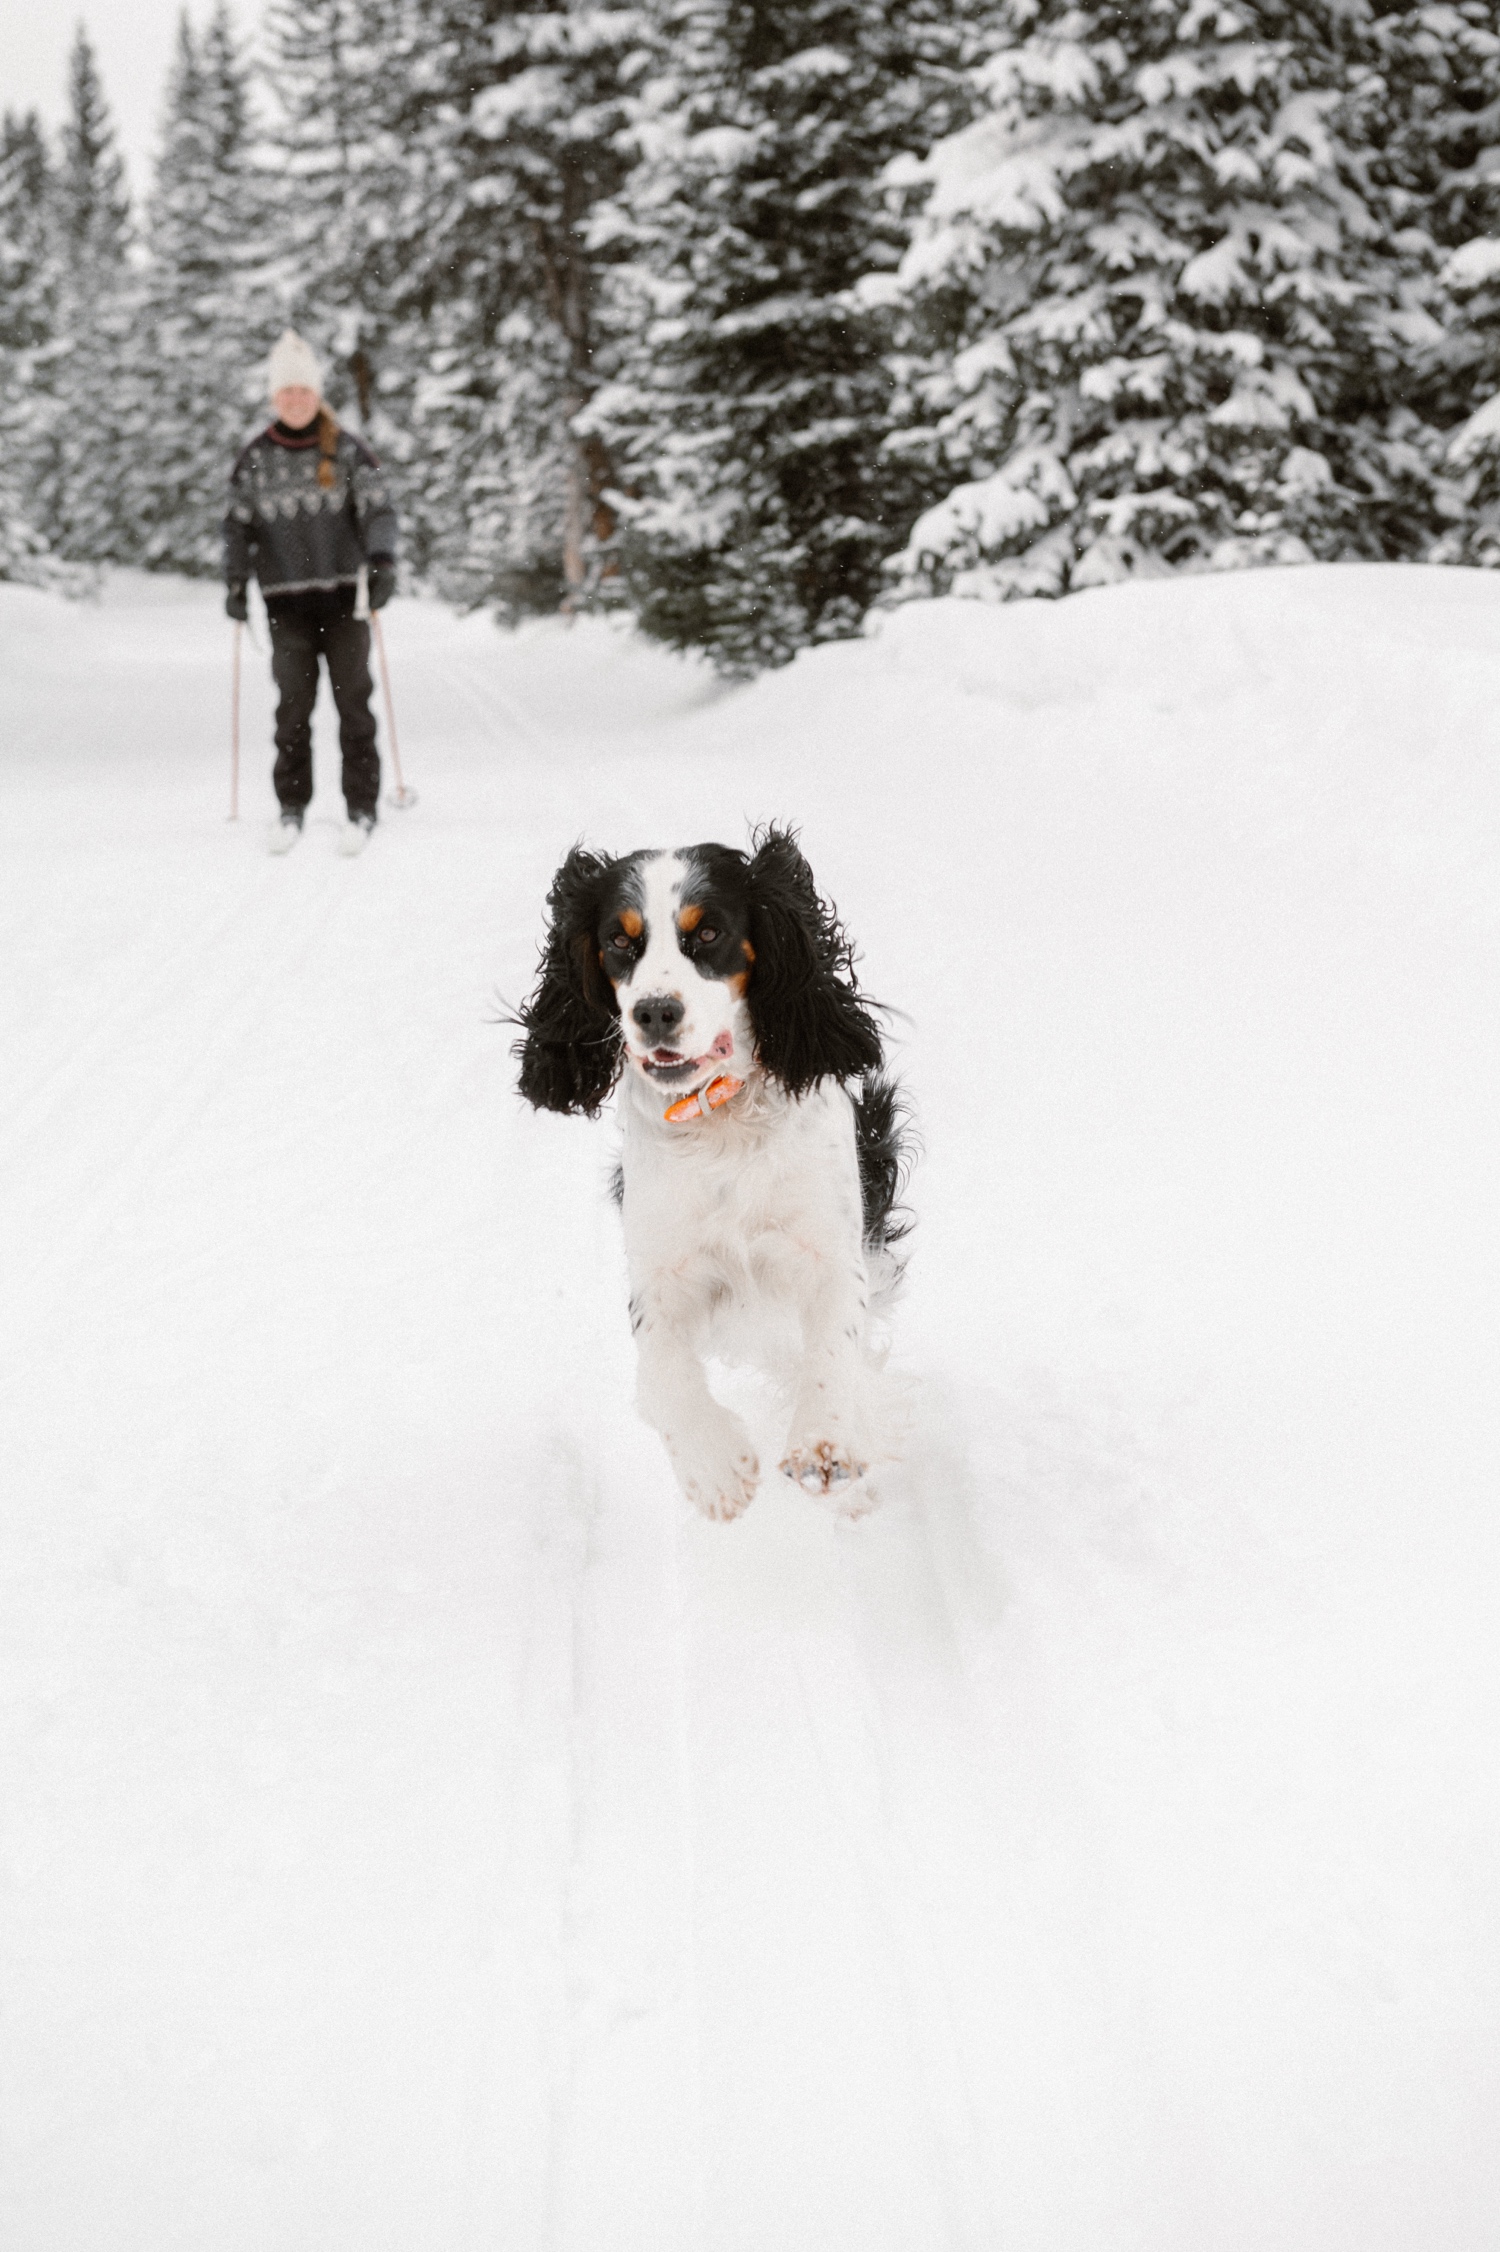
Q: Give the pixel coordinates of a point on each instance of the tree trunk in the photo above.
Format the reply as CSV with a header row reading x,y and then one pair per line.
x,y
364,382
574,510
569,285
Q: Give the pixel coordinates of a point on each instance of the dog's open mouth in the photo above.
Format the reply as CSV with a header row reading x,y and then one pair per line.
x,y
667,1065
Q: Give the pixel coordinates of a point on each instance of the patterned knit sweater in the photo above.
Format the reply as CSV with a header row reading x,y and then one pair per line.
x,y
294,529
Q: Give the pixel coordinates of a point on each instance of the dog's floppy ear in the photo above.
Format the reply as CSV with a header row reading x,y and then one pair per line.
x,y
808,1019
570,1056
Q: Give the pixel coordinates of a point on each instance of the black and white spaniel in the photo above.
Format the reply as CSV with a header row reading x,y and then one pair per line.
x,y
761,1157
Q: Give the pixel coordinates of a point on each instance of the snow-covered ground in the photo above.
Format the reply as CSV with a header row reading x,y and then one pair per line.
x,y
415,1830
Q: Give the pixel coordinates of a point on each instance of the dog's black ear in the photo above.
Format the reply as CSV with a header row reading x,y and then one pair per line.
x,y
805,1009
570,1057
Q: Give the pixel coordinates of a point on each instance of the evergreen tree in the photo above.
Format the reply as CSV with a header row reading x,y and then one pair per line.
x,y
512,125
206,318
1426,118
493,473
753,400
1153,296
1464,369
335,79
26,316
84,374
1422,129
91,203
1468,368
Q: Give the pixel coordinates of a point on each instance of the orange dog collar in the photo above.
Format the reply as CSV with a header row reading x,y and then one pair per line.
x,y
706,1100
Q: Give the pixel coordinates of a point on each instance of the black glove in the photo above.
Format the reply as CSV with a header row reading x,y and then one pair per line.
x,y
382,580
237,604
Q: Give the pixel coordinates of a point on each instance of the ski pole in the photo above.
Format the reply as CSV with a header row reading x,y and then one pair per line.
x,y
401,796
234,732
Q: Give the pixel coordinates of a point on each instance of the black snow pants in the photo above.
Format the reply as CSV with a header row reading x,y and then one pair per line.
x,y
303,628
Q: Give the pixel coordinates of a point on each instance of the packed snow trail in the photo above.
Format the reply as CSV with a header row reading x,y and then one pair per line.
x,y
415,1830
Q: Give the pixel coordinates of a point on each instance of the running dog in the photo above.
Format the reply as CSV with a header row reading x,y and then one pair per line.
x,y
761,1158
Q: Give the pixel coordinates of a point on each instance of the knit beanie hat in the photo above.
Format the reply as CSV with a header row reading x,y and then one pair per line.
x,y
293,363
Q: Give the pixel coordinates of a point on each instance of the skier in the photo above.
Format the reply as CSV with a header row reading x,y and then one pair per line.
x,y
310,510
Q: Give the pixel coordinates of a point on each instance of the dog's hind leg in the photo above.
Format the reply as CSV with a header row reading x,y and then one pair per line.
x,y
832,1439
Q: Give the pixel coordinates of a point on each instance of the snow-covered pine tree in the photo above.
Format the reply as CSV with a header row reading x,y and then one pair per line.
x,y
1151,283
91,201
25,328
335,85
494,475
1426,117
84,391
511,128
205,318
753,399
1469,370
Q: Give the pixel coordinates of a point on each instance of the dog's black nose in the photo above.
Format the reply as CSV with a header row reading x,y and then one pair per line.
x,y
658,1016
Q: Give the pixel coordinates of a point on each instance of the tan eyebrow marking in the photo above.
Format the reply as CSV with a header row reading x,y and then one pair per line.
x,y
690,918
630,922
747,950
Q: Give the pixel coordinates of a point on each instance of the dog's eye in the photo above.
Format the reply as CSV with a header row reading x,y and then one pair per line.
x,y
618,944
706,934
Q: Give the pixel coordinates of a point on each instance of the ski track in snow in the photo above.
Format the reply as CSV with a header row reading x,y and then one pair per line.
x,y
415,1830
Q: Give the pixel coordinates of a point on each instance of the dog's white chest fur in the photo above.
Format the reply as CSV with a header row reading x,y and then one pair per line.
x,y
754,1191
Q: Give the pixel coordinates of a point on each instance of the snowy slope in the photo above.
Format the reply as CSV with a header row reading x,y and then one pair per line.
x,y
414,1830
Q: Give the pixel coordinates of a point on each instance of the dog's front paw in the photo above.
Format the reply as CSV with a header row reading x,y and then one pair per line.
x,y
716,1468
831,1471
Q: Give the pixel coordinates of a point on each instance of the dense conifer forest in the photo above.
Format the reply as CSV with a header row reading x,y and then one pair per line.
x,y
750,315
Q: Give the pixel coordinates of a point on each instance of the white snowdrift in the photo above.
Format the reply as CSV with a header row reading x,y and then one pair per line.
x,y
413,1830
